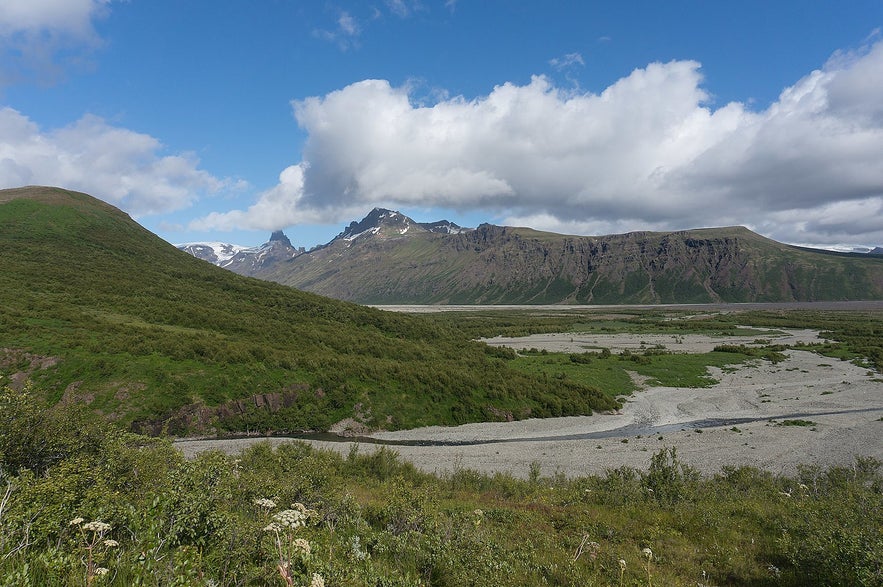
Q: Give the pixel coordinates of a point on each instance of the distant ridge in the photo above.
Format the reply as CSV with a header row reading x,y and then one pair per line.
x,y
387,258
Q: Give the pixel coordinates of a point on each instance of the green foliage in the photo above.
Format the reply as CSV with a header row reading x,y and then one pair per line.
x,y
796,422
378,521
34,437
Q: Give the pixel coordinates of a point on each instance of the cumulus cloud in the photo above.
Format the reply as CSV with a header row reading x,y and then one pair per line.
x,y
648,152
32,32
71,16
118,165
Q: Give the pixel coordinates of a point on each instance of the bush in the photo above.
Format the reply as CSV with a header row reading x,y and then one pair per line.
x,y
667,479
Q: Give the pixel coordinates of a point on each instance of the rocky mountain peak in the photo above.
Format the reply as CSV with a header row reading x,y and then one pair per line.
x,y
389,223
379,220
279,237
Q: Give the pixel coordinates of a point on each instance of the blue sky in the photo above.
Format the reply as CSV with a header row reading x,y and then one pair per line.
x,y
224,120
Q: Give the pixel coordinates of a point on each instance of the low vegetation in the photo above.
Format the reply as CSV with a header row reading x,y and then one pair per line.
x,y
83,503
97,310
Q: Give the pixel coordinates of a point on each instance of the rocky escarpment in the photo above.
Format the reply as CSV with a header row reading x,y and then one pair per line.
x,y
505,265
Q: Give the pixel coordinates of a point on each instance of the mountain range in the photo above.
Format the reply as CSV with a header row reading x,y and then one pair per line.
x,y
388,258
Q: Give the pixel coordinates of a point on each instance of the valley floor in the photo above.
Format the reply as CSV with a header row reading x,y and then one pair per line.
x,y
806,410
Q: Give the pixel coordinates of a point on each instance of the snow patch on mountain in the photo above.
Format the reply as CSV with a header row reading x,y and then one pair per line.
x,y
214,252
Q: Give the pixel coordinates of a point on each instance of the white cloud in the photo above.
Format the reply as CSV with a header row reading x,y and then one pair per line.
x,y
400,8
115,164
348,25
70,16
649,149
345,35
566,61
33,31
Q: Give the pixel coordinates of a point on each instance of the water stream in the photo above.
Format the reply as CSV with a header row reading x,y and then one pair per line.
x,y
629,431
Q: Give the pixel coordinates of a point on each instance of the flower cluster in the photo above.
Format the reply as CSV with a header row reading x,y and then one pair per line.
x,y
95,545
302,545
290,519
293,554
296,517
97,527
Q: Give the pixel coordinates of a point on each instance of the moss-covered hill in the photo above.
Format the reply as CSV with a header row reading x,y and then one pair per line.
x,y
98,310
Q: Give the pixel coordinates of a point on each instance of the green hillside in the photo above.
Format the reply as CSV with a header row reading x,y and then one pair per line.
x,y
98,310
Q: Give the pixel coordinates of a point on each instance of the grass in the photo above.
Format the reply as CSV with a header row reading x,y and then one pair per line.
x,y
161,342
796,422
612,373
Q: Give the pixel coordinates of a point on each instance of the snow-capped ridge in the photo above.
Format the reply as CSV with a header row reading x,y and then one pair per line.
x,y
244,260
215,252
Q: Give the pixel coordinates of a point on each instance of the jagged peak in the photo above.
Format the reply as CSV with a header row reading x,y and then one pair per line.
x,y
279,236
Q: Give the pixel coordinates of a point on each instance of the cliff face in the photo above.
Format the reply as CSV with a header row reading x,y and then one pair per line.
x,y
494,265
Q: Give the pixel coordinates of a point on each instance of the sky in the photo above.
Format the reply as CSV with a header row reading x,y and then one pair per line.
x,y
224,120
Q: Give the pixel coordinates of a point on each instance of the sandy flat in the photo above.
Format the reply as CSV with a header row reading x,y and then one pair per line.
x,y
735,422
577,342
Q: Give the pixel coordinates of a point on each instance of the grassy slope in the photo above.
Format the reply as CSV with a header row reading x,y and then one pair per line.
x,y
145,332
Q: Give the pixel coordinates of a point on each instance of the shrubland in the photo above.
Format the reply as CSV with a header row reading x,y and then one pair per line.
x,y
84,503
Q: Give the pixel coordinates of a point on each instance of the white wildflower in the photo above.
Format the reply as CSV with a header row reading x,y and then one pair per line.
x,y
303,546
111,543
76,522
291,518
648,554
622,564
272,527
101,571
317,580
265,503
97,526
